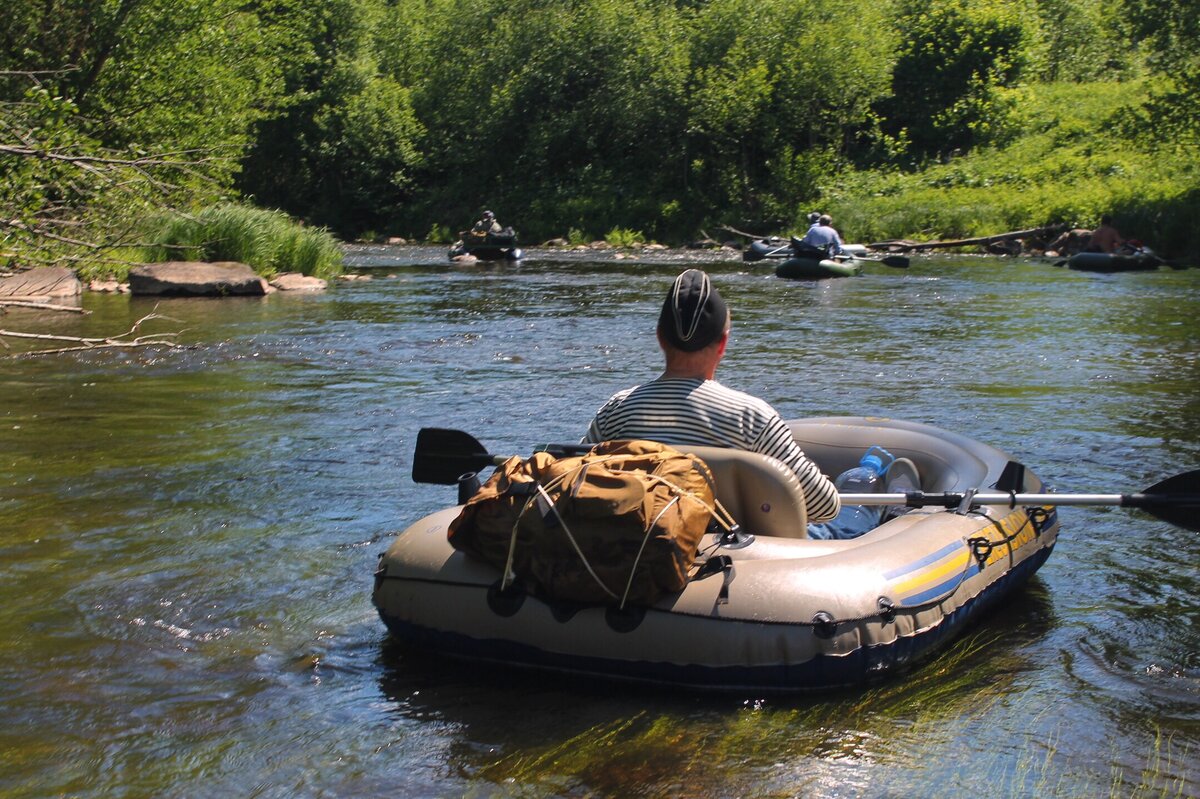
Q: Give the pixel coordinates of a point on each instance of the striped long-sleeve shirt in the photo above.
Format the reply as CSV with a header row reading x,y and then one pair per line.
x,y
683,411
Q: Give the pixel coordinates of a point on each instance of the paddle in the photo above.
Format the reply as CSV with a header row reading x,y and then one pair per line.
x,y
1175,499
442,456
777,252
898,261
787,250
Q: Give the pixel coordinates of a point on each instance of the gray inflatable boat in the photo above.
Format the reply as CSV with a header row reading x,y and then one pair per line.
x,y
767,612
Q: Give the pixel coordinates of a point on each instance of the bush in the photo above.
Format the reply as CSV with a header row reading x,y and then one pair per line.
x,y
269,241
621,237
956,60
439,234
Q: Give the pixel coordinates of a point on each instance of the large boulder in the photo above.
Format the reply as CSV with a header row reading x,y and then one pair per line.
x,y
195,279
40,284
294,281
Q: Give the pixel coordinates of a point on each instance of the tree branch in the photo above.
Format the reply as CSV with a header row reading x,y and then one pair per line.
x,y
121,340
45,306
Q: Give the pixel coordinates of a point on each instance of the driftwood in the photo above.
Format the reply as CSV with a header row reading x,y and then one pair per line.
x,y
121,340
912,246
736,232
45,306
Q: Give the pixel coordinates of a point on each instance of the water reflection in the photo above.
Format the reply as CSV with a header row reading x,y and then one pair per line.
x,y
188,537
505,726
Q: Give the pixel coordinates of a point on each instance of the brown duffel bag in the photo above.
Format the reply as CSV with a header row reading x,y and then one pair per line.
x,y
620,524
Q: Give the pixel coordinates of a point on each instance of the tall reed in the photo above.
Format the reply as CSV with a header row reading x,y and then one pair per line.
x,y
269,241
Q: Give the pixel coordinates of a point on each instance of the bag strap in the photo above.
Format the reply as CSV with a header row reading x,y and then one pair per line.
x,y
539,494
717,564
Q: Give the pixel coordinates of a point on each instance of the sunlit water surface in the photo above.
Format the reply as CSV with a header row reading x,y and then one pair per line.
x,y
187,537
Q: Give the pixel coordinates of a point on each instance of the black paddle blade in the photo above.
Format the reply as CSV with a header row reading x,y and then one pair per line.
x,y
898,261
442,456
1175,500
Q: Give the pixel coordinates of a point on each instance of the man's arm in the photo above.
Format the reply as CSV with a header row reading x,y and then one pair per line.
x,y
820,494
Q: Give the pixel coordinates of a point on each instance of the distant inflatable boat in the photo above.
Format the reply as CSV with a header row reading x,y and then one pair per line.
x,y
774,611
491,247
1143,261
781,249
815,268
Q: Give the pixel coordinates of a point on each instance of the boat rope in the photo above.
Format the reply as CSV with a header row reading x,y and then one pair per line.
x,y
825,624
980,548
717,564
642,548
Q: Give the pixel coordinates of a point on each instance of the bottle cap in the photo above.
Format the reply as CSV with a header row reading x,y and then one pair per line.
x,y
872,461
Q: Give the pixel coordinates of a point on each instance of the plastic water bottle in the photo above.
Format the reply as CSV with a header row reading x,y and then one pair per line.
x,y
865,478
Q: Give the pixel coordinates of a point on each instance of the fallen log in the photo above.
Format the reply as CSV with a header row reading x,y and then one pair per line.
x,y
43,306
744,234
912,246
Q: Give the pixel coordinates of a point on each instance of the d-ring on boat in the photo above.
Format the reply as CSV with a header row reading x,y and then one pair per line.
x,y
780,612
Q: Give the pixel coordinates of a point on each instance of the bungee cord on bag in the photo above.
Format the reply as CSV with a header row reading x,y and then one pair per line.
x,y
716,512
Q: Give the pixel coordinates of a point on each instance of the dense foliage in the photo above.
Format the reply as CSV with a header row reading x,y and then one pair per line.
x,y
662,118
113,109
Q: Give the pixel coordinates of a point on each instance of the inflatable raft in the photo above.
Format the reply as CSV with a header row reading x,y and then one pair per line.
x,y
490,247
777,612
799,268
781,249
1113,262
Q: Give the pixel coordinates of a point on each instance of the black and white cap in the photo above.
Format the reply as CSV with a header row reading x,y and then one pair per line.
x,y
693,314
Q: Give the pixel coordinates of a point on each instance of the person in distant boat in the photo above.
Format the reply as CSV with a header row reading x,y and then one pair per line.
x,y
1105,238
487,224
813,219
821,239
685,405
1068,242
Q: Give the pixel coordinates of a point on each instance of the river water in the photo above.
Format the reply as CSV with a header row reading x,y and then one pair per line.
x,y
187,537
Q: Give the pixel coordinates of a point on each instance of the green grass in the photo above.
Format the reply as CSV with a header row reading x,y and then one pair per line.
x,y
1067,163
269,241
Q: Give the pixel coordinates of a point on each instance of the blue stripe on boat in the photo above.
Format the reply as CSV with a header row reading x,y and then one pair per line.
x,y
925,561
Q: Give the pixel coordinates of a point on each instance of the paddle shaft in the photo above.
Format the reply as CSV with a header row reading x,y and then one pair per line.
x,y
445,456
917,499
784,252
897,261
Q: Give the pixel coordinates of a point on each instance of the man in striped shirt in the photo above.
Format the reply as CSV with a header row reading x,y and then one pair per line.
x,y
687,406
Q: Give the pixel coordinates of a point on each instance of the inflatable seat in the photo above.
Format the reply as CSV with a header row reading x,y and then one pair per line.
x,y
760,492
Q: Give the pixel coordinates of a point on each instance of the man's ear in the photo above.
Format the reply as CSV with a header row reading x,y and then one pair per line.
x,y
722,342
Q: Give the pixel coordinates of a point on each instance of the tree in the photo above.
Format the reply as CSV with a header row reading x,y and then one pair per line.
x,y
342,149
114,108
1172,29
780,95
956,60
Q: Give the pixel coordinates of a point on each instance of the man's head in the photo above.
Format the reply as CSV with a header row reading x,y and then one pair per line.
x,y
488,215
693,315
813,217
826,219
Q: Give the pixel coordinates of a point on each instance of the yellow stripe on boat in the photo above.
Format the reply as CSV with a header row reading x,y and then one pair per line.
x,y
934,574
